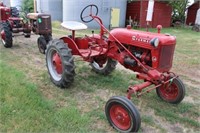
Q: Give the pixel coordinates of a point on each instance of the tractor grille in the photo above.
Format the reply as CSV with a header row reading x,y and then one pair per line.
x,y
44,24
166,57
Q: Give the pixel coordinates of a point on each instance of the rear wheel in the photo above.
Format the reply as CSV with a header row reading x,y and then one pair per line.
x,y
122,114
60,63
103,66
6,35
172,92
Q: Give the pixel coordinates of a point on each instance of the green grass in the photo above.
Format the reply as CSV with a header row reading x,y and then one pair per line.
x,y
184,112
148,120
24,109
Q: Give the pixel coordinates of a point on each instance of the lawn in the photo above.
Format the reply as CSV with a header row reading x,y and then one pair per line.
x,y
30,102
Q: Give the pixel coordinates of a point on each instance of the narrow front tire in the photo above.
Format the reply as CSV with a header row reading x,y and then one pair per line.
x,y
172,92
122,114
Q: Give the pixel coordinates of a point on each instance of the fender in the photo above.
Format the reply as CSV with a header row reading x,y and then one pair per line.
x,y
71,44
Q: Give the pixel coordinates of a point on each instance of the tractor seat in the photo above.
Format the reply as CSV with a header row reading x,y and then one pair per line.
x,y
32,16
35,16
74,25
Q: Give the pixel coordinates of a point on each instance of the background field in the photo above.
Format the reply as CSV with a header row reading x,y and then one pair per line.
x,y
29,102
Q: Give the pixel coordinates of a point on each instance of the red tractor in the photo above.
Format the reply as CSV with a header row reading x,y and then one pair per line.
x,y
11,22
148,54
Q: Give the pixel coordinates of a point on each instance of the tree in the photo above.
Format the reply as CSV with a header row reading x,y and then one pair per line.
x,y
28,5
179,8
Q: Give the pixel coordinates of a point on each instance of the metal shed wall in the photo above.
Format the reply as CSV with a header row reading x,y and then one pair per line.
x,y
53,7
72,10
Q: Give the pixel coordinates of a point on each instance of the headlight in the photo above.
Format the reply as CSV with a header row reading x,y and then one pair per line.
x,y
154,42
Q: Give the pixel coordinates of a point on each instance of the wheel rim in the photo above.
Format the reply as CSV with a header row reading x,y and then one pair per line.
x,y
120,117
169,92
54,63
99,67
3,37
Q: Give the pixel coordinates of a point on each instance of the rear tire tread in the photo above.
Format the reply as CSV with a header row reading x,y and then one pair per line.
x,y
8,35
67,61
110,66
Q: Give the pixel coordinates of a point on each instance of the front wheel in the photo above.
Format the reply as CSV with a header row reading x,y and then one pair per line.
x,y
172,92
60,63
122,114
103,66
27,35
42,44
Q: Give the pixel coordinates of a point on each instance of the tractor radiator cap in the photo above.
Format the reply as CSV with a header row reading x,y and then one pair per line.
x,y
128,27
159,27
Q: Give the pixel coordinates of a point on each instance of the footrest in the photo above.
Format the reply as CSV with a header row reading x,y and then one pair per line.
x,y
86,53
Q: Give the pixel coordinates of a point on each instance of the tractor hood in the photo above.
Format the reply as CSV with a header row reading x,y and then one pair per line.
x,y
129,36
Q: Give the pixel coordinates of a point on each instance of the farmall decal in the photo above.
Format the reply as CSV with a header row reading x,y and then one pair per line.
x,y
146,40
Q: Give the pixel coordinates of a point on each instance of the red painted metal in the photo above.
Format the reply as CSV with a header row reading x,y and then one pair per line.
x,y
57,63
73,34
1,4
148,54
5,16
192,12
71,44
169,91
159,28
4,13
137,88
15,19
82,43
17,24
141,39
152,62
165,82
120,117
161,15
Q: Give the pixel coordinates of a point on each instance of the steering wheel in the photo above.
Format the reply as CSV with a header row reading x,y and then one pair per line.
x,y
91,9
